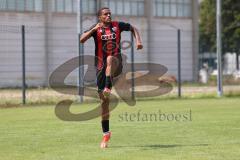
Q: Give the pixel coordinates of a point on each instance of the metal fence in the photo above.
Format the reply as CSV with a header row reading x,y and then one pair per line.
x,y
30,54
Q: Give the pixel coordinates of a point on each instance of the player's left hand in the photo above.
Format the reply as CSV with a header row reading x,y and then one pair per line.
x,y
139,46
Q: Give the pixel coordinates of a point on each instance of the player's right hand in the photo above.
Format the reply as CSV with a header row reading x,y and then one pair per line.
x,y
98,25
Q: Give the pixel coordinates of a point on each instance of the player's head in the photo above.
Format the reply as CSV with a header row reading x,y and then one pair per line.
x,y
104,15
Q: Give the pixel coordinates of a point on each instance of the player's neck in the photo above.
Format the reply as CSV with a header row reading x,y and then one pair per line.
x,y
106,25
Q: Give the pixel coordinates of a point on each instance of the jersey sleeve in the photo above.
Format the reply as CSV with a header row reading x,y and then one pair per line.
x,y
124,26
94,33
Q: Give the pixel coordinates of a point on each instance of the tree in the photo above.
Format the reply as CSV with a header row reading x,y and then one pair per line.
x,y
230,26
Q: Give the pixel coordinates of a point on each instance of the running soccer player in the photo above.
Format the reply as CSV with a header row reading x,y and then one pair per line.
x,y
108,61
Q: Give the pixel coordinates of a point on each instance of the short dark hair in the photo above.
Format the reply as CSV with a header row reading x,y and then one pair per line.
x,y
99,13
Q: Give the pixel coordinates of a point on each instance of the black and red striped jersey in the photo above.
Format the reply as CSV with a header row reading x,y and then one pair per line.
x,y
107,41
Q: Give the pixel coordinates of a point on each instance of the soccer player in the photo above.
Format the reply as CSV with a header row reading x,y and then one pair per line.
x,y
108,61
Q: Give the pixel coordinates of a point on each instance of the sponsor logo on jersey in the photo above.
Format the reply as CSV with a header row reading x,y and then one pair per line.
x,y
108,37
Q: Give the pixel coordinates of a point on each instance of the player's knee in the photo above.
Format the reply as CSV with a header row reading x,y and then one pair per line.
x,y
105,116
110,60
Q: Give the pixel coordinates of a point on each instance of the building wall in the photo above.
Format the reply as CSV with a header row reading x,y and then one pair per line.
x,y
51,40
62,43
163,45
11,49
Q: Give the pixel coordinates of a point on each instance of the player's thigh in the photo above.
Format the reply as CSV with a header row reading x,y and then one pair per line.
x,y
119,66
101,78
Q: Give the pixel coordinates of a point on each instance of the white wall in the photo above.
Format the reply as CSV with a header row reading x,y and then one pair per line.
x,y
11,49
163,45
62,43
48,48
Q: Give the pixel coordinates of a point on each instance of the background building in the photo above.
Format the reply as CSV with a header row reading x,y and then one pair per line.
x,y
51,35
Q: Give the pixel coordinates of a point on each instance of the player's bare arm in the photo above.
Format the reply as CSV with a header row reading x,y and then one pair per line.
x,y
137,36
85,36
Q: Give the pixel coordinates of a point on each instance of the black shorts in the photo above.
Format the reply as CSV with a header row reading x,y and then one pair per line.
x,y
101,76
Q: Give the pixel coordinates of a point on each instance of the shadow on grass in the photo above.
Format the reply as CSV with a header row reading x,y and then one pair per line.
x,y
159,146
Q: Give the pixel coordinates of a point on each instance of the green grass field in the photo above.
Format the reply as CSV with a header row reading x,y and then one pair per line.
x,y
211,132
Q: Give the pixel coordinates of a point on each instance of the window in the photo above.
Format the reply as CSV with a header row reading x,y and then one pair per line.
x,y
159,8
105,3
187,11
11,5
64,6
166,8
71,6
173,8
118,7
91,6
29,5
125,7
68,6
88,6
60,5
141,8
21,5
38,5
180,9
75,6
134,8
3,4
112,6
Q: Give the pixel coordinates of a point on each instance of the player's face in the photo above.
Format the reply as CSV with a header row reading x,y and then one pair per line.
x,y
105,17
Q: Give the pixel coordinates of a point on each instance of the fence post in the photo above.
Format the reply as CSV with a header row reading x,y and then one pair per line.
x,y
132,67
23,66
80,70
80,52
179,64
